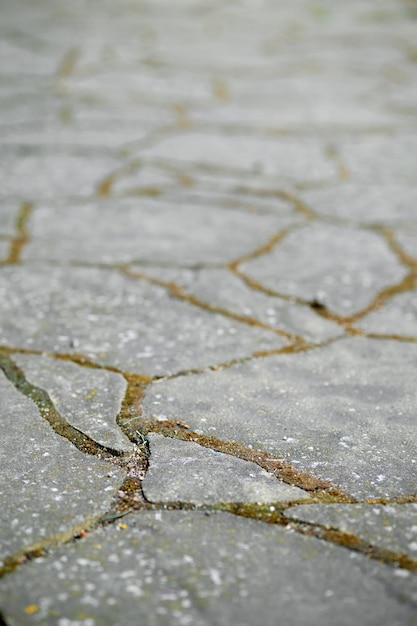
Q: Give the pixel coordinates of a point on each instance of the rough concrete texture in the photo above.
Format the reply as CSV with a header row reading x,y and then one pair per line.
x,y
47,484
184,471
208,331
195,569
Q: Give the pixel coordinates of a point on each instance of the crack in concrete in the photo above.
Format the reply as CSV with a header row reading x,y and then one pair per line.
x,y
18,242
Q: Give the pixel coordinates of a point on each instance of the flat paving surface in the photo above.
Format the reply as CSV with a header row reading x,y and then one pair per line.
x,y
208,312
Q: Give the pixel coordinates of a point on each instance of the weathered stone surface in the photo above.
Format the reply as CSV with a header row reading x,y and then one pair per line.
x,y
47,484
221,288
148,230
287,159
381,159
185,471
366,204
397,317
347,285
393,526
184,567
43,175
345,412
89,399
117,321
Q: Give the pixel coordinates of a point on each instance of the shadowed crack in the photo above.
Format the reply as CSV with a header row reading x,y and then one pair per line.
x,y
48,411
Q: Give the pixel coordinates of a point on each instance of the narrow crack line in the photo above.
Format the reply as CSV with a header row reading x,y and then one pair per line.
x,y
48,411
407,499
299,205
265,248
386,336
75,357
177,291
353,543
293,348
21,238
104,187
408,283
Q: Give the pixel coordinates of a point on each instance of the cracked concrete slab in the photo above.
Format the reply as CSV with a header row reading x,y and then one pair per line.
x,y
391,526
344,413
396,317
113,319
198,569
187,472
296,268
48,485
147,230
87,398
42,175
364,203
182,139
221,288
285,158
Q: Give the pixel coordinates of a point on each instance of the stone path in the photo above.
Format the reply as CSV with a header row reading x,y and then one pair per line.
x,y
208,312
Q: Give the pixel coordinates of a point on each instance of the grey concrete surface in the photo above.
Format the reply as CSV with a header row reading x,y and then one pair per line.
x,y
208,327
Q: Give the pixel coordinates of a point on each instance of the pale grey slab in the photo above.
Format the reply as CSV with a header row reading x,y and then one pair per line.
x,y
136,229
381,159
185,471
397,317
285,158
189,568
365,203
338,267
222,288
118,321
345,412
40,176
390,526
89,399
47,484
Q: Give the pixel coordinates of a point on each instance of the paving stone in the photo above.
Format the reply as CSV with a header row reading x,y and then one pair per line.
x,y
381,159
294,267
117,321
183,471
221,288
285,158
344,412
184,567
366,204
44,176
147,230
397,317
392,526
48,485
89,399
